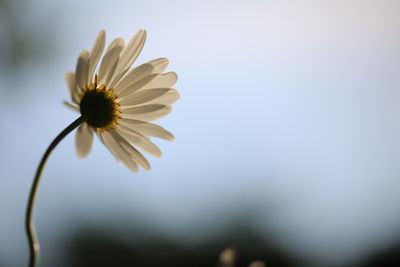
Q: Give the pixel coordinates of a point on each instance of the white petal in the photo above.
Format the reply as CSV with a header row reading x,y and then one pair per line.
x,y
143,96
135,155
108,64
118,151
136,86
139,140
83,140
73,89
71,106
112,150
82,69
159,64
147,129
96,52
147,112
141,109
128,56
116,42
133,76
167,99
166,80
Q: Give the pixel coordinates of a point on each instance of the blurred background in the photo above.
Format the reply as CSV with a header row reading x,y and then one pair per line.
x,y
287,135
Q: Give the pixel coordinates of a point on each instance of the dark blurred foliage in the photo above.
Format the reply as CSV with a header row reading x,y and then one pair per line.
x,y
388,257
147,247
100,247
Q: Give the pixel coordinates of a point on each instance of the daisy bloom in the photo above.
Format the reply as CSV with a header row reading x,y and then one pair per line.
x,y
118,102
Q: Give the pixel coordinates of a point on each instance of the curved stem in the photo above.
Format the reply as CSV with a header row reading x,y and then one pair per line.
x,y
29,223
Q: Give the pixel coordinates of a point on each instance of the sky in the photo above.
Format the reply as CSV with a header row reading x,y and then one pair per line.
x,y
287,108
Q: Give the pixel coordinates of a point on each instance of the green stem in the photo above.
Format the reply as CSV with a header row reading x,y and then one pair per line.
x,y
29,223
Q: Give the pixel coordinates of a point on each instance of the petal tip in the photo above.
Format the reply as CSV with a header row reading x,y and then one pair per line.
x,y
68,75
81,155
170,137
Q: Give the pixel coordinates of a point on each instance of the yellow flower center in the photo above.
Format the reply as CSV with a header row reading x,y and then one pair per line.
x,y
98,104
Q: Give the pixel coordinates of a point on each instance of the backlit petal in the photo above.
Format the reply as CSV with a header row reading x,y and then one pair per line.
x,y
167,99
139,140
108,64
83,140
73,88
82,69
135,155
159,64
136,86
96,52
166,80
133,76
128,56
143,96
147,112
71,106
116,42
147,128
118,151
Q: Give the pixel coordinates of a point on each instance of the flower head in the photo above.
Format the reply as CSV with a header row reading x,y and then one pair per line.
x,y
118,102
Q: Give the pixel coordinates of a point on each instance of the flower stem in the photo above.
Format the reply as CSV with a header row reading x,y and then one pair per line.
x,y
29,223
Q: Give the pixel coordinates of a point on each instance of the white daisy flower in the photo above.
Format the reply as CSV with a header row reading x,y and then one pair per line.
x,y
119,103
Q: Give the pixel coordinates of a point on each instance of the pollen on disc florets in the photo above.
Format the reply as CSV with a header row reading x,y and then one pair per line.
x,y
98,104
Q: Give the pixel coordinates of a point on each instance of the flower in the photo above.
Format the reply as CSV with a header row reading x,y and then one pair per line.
x,y
118,103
